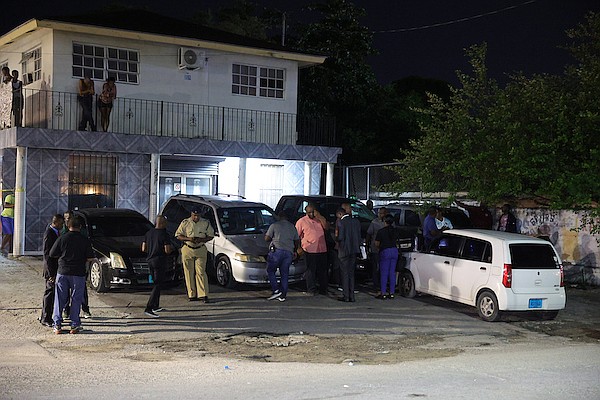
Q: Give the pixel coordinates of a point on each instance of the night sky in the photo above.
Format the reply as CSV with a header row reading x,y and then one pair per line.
x,y
523,37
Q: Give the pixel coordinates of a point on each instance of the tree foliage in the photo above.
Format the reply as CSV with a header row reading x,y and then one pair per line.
x,y
537,136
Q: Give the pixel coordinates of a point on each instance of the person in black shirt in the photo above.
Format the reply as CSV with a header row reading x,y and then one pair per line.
x,y
73,251
50,268
157,244
386,240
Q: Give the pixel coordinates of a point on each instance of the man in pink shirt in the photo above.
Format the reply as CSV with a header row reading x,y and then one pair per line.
x,y
311,229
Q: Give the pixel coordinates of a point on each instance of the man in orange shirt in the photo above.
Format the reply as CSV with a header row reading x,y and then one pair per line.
x,y
311,230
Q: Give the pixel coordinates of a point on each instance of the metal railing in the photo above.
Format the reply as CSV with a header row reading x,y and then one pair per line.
x,y
61,110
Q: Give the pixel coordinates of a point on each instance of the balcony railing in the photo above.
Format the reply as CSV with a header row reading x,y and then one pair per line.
x,y
61,110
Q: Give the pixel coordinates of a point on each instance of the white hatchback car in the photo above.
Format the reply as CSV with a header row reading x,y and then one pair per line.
x,y
493,271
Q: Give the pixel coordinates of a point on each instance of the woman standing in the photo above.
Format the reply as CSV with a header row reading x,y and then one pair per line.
x,y
388,256
5,98
17,98
109,93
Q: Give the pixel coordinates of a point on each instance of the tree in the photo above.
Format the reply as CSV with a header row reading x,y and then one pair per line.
x,y
344,86
538,136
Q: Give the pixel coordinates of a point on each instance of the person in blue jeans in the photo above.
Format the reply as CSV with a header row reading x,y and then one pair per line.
x,y
386,240
284,243
73,251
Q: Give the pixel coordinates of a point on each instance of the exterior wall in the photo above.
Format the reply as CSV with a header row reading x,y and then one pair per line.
x,y
161,79
13,53
293,177
47,185
580,251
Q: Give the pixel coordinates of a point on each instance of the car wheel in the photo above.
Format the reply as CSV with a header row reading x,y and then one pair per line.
x,y
97,277
487,306
224,274
407,285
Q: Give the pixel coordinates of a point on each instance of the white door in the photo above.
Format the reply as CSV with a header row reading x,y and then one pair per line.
x,y
471,270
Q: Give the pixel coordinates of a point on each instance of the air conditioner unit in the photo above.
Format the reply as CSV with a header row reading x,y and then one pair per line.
x,y
190,58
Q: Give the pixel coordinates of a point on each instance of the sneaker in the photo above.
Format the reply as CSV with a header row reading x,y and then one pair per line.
x,y
391,296
86,314
275,295
282,299
57,329
151,313
159,309
76,329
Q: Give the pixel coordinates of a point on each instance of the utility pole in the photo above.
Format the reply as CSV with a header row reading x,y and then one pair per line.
x,y
283,29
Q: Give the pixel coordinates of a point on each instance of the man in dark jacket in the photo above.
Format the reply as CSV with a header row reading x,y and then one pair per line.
x,y
347,234
73,251
157,245
50,268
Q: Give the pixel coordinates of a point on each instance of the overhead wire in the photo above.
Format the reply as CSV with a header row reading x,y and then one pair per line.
x,y
456,21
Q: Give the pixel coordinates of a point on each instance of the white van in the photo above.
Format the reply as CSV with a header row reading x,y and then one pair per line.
x,y
493,271
238,252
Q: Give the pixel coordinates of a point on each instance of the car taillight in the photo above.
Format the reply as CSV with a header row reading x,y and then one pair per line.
x,y
562,276
507,276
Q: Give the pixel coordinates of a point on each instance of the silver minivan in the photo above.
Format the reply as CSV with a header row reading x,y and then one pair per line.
x,y
238,252
493,271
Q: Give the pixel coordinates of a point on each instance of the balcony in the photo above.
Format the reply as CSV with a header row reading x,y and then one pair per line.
x,y
61,111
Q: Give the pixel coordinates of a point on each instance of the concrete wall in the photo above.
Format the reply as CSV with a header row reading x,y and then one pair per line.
x,y
161,79
579,251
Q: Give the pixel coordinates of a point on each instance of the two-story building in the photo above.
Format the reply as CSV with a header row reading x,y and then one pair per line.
x,y
198,111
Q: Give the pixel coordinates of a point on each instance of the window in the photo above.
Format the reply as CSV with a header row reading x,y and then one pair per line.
x,y
244,81
271,83
477,250
533,256
103,62
446,246
92,181
31,65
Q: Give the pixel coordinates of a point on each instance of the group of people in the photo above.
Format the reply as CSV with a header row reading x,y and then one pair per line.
x,y
67,256
11,99
309,238
86,93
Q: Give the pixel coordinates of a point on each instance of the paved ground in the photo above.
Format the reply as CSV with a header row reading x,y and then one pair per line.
x,y
241,326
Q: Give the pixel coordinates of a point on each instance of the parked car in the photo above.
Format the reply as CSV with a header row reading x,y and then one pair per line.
x,y
493,271
409,218
117,236
294,205
238,251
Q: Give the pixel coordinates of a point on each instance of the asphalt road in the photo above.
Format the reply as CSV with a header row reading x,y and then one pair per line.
x,y
242,346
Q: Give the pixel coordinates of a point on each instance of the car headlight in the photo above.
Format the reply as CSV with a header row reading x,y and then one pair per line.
x,y
116,261
249,258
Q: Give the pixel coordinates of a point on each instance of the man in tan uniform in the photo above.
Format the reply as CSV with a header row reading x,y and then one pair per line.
x,y
194,232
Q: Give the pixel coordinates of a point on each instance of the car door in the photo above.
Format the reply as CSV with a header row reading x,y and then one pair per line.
x,y
471,270
435,272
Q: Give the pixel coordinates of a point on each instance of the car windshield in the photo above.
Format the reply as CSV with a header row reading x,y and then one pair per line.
x,y
328,209
245,220
118,227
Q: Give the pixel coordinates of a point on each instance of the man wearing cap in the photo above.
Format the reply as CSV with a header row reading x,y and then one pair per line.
x,y
194,232
8,224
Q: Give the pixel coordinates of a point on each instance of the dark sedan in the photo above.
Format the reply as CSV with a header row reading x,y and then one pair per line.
x,y
116,236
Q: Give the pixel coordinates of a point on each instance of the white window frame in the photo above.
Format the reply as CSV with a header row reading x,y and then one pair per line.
x,y
251,80
31,65
103,62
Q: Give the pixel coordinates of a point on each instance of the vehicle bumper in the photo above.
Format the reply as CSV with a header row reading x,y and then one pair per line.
x,y
250,272
509,301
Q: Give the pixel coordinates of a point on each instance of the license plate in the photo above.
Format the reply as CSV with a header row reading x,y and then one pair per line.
x,y
535,303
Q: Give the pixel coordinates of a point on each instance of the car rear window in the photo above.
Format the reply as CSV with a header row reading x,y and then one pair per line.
x,y
533,256
118,226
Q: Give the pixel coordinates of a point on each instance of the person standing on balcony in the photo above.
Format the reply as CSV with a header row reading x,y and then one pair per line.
x,y
85,97
105,103
5,98
194,232
17,98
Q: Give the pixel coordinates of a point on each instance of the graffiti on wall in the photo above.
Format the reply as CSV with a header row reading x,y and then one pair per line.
x,y
558,226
